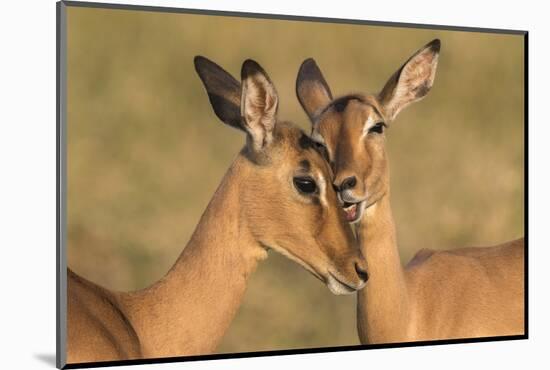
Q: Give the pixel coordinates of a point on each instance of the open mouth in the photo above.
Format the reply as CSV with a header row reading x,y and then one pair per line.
x,y
353,211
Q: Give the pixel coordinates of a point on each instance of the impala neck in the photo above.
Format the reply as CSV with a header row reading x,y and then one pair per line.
x,y
383,304
188,311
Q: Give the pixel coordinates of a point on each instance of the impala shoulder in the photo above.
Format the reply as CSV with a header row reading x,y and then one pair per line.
x,y
97,311
435,263
420,257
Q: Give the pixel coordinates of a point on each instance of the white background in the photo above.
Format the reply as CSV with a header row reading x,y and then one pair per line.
x,y
27,182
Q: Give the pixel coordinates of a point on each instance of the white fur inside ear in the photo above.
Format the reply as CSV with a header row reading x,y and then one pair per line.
x,y
259,108
415,81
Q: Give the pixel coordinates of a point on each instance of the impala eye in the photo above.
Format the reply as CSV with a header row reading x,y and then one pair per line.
x,y
305,185
377,128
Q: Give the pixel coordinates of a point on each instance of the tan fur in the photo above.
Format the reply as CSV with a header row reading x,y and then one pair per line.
x,y
256,207
460,293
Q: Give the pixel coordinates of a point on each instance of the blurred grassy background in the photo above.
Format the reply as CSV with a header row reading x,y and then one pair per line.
x,y
146,152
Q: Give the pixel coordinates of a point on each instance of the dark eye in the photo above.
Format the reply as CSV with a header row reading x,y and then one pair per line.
x,y
305,185
378,128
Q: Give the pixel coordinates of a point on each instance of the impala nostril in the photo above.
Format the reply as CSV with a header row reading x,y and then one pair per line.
x,y
362,273
348,183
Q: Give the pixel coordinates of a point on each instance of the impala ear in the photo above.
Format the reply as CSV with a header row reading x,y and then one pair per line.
x,y
412,81
224,91
259,103
312,90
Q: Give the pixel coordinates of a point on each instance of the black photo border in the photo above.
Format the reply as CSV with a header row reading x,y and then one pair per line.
x,y
61,183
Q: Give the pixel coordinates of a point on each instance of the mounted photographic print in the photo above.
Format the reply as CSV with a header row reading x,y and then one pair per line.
x,y
224,185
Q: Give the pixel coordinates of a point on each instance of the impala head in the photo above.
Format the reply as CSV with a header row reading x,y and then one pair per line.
x,y
351,129
288,202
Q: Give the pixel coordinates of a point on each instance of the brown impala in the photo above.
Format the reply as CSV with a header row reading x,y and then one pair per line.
x,y
460,293
277,194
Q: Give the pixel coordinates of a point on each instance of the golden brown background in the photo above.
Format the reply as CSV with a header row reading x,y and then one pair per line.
x,y
146,152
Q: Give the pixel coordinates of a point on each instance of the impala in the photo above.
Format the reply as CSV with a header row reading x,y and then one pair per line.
x,y
460,293
276,195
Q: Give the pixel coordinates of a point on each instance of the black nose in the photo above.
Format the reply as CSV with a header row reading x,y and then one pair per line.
x,y
348,183
363,274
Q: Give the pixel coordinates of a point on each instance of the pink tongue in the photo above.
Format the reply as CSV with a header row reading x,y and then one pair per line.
x,y
351,212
